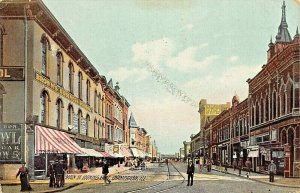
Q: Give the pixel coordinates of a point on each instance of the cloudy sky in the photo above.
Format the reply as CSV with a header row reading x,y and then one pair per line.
x,y
164,52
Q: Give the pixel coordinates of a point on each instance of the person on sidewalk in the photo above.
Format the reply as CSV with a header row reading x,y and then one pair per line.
x,y
190,172
249,166
58,170
208,164
234,164
23,172
272,171
105,172
51,174
240,166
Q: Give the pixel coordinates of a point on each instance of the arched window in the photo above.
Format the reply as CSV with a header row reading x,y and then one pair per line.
x,y
290,97
88,85
79,121
267,108
2,32
79,85
95,101
87,125
44,107
100,135
99,104
71,78
59,58
95,129
45,55
70,115
261,110
59,113
2,92
274,105
283,137
256,113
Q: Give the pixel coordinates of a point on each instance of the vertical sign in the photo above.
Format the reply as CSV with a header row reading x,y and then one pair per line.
x,y
12,139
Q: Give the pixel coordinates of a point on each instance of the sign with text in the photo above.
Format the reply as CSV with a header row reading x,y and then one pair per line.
x,y
12,143
11,73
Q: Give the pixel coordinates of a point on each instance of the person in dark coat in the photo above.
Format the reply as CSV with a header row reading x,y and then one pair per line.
x,y
105,172
63,170
58,170
23,172
51,174
190,172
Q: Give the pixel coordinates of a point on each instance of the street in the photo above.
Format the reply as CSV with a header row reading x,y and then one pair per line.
x,y
158,179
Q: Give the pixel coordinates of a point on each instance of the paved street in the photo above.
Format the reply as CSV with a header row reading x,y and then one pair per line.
x,y
157,180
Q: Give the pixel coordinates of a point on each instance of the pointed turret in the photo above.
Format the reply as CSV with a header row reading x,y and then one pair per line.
x,y
132,122
297,33
283,34
271,44
117,88
110,83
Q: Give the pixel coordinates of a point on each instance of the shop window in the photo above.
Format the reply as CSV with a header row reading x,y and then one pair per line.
x,y
266,138
59,58
2,92
59,113
2,32
258,140
71,78
88,87
45,55
79,86
44,107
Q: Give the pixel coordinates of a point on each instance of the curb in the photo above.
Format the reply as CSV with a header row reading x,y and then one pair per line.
x,y
62,189
253,179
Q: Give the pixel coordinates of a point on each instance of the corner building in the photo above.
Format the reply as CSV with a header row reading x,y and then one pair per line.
x,y
52,99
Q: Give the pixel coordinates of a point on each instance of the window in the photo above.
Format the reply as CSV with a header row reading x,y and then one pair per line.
x,y
79,85
44,107
59,68
79,120
256,113
267,108
100,134
59,113
45,53
274,104
95,101
95,129
88,85
2,92
71,78
70,115
87,125
290,90
2,32
99,104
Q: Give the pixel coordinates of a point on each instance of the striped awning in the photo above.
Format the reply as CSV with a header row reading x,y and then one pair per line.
x,y
54,141
89,153
105,154
126,152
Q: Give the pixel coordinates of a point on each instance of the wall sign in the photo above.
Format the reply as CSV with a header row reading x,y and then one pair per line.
x,y
12,139
11,73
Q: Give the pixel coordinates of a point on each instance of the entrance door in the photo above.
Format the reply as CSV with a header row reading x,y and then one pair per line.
x,y
291,144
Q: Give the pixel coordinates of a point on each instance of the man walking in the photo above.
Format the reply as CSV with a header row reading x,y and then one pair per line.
x,y
240,166
51,174
208,164
190,173
272,171
249,166
105,172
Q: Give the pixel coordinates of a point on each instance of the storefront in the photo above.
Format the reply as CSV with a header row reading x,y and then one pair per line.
x,y
53,145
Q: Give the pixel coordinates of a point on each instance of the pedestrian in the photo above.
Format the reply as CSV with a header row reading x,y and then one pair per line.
x,y
225,166
51,174
208,163
240,166
23,172
190,173
58,170
234,164
62,170
272,171
105,172
249,166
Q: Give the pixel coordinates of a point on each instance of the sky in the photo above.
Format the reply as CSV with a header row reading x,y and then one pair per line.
x,y
167,55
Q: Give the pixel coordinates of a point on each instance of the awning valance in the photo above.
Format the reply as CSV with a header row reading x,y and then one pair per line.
x,y
253,153
54,141
89,153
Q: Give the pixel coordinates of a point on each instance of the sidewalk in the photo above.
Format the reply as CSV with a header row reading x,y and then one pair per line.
x,y
71,180
263,178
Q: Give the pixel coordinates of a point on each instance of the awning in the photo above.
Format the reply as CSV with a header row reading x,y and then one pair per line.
x,y
253,153
54,141
118,155
89,153
126,152
105,154
142,154
135,152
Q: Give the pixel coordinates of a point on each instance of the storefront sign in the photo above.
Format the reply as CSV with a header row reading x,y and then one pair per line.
x,y
11,73
53,86
116,148
11,143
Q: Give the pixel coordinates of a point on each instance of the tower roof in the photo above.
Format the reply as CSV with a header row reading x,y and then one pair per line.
x,y
132,122
283,34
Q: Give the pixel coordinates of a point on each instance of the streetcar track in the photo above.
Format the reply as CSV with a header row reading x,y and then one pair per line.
x,y
160,183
